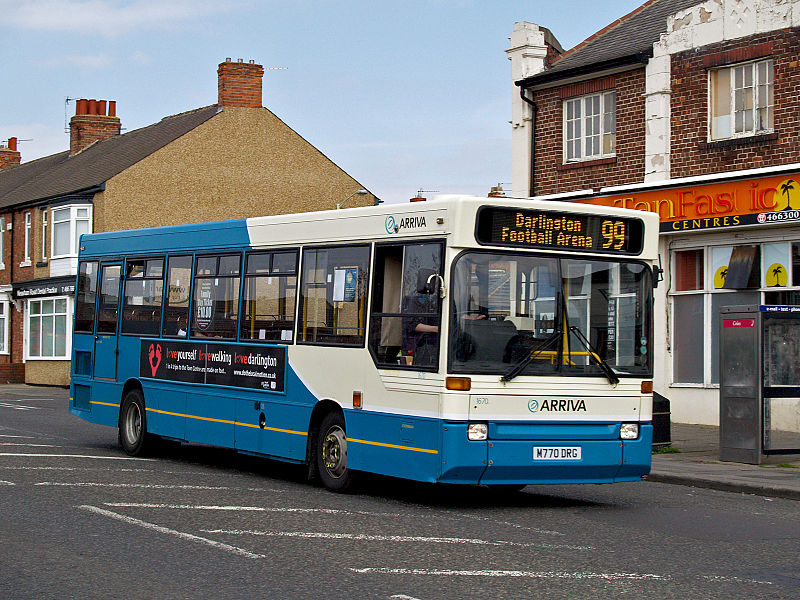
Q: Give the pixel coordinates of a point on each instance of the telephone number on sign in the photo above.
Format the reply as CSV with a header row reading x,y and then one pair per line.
x,y
556,453
784,215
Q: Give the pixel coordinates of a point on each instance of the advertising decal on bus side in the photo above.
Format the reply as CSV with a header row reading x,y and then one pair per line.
x,y
221,364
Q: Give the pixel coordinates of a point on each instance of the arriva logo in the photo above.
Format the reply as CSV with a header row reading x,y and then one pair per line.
x,y
557,406
393,226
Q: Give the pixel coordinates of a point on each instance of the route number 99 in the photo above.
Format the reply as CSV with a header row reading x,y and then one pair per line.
x,y
613,234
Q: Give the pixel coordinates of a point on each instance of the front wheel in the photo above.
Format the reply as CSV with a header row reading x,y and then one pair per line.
x,y
332,454
133,423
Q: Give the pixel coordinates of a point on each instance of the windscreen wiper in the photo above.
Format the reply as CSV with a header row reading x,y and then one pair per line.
x,y
526,360
604,366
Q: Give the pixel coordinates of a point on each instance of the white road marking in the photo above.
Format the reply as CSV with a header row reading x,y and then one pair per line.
x,y
27,445
154,486
103,470
25,437
76,456
403,597
185,536
7,482
329,511
388,538
18,406
501,573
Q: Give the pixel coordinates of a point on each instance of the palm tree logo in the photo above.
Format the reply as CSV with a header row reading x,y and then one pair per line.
x,y
785,187
719,277
776,275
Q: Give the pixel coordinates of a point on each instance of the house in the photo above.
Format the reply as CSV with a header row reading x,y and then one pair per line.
x,y
690,110
232,159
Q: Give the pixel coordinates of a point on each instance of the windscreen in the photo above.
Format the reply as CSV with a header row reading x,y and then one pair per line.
x,y
549,315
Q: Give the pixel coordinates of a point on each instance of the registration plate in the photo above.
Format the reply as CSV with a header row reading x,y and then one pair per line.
x,y
556,453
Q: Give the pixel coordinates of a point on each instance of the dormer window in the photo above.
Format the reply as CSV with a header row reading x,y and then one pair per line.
x,y
741,100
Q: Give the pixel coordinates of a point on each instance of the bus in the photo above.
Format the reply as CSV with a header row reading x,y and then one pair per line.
x,y
463,340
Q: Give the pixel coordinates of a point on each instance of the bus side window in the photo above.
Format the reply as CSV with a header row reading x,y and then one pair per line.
x,y
176,310
334,296
86,297
406,308
215,304
143,295
270,287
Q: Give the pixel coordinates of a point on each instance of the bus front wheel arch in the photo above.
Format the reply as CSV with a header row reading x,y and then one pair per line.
x,y
133,422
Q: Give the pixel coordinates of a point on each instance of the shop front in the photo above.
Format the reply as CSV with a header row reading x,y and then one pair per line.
x,y
47,306
725,241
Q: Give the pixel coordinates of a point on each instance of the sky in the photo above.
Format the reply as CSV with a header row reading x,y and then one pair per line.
x,y
403,95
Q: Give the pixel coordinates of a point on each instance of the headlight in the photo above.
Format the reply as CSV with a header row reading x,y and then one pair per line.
x,y
477,431
629,431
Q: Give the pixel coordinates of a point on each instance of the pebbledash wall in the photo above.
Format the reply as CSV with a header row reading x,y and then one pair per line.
x,y
715,198
242,161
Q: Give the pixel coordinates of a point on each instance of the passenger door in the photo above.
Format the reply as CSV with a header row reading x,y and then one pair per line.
x,y
105,339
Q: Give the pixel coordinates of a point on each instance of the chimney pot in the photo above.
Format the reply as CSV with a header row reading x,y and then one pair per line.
x,y
92,107
12,144
81,106
239,60
112,108
101,107
417,199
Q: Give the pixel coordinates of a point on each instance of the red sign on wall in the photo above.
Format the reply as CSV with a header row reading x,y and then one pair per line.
x,y
728,323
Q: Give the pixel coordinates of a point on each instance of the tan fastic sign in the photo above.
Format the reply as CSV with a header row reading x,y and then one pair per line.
x,y
758,201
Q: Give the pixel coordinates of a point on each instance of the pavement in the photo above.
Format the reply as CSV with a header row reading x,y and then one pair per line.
x,y
693,460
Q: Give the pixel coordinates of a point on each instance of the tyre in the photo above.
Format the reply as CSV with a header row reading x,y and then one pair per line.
x,y
133,423
331,454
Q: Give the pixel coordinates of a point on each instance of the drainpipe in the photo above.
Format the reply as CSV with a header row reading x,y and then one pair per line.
x,y
531,191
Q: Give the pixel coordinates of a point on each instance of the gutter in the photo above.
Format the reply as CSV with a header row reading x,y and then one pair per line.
x,y
594,69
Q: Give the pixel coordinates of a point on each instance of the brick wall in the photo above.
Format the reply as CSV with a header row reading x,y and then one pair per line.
x,y
691,153
552,176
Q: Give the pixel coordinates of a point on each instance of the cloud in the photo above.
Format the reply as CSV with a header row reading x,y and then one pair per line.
x,y
105,17
88,63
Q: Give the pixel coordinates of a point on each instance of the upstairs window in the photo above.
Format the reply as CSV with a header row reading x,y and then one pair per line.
x,y
590,127
741,100
68,224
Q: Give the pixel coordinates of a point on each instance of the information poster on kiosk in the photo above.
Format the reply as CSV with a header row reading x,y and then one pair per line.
x,y
221,364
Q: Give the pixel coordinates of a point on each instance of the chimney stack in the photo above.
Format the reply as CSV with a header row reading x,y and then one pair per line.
x,y
91,123
9,157
239,84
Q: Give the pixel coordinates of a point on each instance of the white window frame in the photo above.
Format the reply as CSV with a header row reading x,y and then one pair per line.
x,y
28,239
73,220
581,130
5,307
67,329
44,235
761,96
2,243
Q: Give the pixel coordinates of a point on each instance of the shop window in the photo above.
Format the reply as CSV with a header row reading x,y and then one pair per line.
x,y
270,288
689,270
333,298
406,308
144,290
741,99
47,328
215,308
176,310
590,127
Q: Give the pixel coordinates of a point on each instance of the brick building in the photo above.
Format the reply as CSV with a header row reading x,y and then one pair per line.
x,y
690,110
232,159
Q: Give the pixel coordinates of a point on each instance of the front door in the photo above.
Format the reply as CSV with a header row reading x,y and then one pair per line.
x,y
105,339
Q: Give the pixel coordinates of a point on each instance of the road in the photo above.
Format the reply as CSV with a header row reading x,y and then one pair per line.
x,y
79,519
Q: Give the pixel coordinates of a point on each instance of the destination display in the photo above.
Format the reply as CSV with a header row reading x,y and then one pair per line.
x,y
553,230
252,367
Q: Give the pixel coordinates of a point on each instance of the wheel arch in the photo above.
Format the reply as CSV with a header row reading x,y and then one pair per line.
x,y
321,408
131,384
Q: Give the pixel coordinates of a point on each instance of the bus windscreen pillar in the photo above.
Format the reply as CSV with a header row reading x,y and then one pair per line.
x,y
759,397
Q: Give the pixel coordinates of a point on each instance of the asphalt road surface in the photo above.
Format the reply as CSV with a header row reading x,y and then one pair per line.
x,y
79,519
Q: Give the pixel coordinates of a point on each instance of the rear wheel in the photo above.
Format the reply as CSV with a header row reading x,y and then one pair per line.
x,y
133,423
332,454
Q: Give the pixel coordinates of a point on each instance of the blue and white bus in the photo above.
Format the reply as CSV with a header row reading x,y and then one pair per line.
x,y
462,340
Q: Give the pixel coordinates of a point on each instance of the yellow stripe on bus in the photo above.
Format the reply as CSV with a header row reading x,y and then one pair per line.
x,y
392,446
353,440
